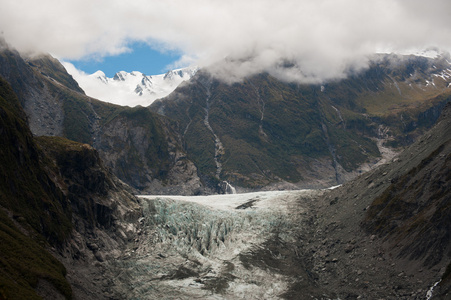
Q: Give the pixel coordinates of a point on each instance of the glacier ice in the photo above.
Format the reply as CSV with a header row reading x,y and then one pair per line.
x,y
191,246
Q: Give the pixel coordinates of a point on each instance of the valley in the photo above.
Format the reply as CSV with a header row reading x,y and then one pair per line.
x,y
202,246
233,183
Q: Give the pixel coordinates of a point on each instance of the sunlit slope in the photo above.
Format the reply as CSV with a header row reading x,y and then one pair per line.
x,y
271,131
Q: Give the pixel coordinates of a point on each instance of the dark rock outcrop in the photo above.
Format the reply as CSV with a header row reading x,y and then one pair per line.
x,y
57,201
105,213
33,211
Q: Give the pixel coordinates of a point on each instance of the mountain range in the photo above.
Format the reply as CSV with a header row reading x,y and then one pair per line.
x,y
71,228
131,88
261,133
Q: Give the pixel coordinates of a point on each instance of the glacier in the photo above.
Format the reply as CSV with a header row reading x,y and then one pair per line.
x,y
203,246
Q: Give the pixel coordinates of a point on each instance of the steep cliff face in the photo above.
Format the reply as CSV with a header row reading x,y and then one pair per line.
x,y
143,149
35,81
56,197
412,214
105,214
33,211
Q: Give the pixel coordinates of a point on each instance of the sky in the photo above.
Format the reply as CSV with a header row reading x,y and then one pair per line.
x,y
141,57
309,41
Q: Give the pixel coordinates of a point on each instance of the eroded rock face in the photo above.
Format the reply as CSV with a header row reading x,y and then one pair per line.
x,y
395,220
148,156
56,196
105,214
39,100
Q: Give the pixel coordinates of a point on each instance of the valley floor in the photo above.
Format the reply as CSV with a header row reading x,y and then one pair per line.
x,y
262,245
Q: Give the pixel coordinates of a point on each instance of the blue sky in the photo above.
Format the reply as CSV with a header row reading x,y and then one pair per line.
x,y
142,58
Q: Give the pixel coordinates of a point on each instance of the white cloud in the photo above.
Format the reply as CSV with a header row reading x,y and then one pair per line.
x,y
323,38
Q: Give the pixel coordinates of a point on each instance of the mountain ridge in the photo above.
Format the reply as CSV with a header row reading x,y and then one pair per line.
x,y
258,134
70,229
57,201
131,88
283,132
152,157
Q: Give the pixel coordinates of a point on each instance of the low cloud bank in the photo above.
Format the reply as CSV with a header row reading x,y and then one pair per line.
x,y
304,41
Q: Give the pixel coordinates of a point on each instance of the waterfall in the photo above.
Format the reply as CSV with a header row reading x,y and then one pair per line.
x,y
219,148
431,290
229,189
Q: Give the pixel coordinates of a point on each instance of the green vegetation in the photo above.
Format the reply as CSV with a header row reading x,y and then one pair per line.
x,y
78,117
139,138
266,126
272,130
156,151
25,188
352,149
37,206
106,111
51,67
23,263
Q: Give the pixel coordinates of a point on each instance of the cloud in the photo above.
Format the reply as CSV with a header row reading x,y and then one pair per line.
x,y
296,40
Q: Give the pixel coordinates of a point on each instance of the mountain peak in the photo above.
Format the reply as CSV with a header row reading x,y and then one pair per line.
x,y
185,73
133,88
120,76
99,75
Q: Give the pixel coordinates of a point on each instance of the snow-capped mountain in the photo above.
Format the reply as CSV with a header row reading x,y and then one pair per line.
x,y
134,88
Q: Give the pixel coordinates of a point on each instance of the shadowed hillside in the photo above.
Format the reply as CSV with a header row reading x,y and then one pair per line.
x,y
57,201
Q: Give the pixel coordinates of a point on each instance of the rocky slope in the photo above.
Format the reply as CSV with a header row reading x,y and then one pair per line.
x,y
388,230
34,212
104,214
57,201
142,148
